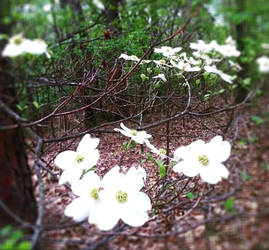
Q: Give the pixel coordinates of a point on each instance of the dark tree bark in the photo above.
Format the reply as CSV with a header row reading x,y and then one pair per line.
x,y
15,176
241,31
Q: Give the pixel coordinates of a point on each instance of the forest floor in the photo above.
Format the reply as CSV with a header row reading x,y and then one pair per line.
x,y
205,223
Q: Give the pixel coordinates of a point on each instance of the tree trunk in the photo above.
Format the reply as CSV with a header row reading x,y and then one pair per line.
x,y
15,176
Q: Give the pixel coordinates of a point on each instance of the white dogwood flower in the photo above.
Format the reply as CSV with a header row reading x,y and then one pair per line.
x,y
204,158
15,46
263,63
204,47
137,136
224,76
121,199
89,191
167,51
129,58
184,66
74,163
19,45
228,50
160,76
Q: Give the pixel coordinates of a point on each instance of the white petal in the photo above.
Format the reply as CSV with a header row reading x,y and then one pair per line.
x,y
188,168
84,186
78,209
212,174
181,153
105,216
219,150
111,177
125,128
134,179
140,201
133,217
90,160
65,159
70,175
12,50
87,144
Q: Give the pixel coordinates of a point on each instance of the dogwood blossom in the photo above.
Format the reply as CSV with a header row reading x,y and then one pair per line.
x,y
224,76
185,66
228,50
74,163
167,51
204,47
137,136
89,191
121,199
19,45
263,63
129,58
160,76
204,158
15,46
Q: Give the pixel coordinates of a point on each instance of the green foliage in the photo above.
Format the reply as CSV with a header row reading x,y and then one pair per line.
x,y
190,195
229,205
256,119
162,168
13,239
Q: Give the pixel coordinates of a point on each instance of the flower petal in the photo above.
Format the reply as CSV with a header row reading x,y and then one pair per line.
x,y
218,149
84,186
87,144
104,216
140,201
188,168
78,209
65,159
212,174
133,217
70,175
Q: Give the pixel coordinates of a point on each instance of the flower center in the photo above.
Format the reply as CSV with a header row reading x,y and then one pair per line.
x,y
162,61
79,159
162,151
95,193
121,196
134,132
18,40
203,159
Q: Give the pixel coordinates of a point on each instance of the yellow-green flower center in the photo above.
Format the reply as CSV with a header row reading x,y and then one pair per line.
x,y
134,132
162,61
79,159
95,193
121,196
203,159
162,151
18,40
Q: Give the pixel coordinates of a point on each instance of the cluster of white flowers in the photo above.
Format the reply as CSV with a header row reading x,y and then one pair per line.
x,y
104,202
203,52
18,45
118,196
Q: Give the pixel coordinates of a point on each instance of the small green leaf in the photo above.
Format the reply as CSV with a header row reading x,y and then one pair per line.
x,y
162,169
253,139
256,119
150,158
5,230
242,142
190,195
36,104
244,176
24,245
229,203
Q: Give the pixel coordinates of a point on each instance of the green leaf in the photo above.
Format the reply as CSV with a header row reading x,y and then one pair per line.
x,y
162,169
256,119
229,203
16,235
253,139
5,230
242,142
24,245
190,195
244,176
36,104
150,158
